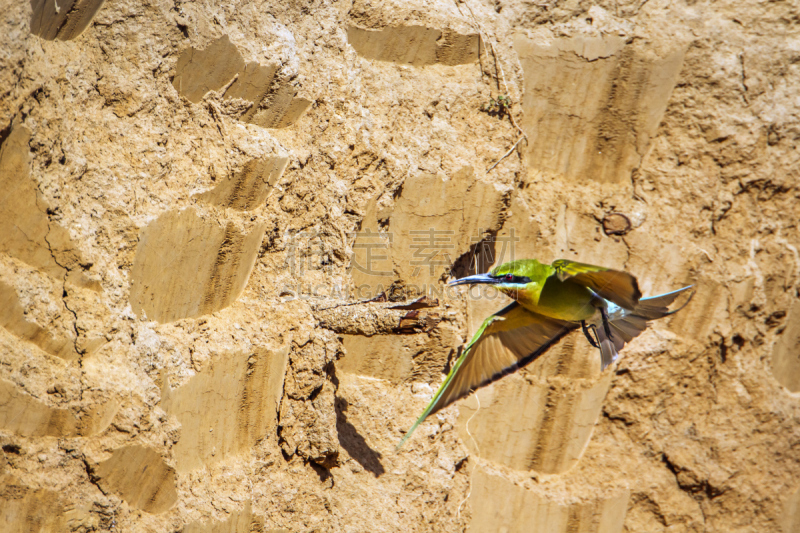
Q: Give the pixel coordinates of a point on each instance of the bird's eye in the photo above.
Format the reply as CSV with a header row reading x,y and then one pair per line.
x,y
509,277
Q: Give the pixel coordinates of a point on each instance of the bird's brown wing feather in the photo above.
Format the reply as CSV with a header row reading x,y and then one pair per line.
x,y
613,285
507,340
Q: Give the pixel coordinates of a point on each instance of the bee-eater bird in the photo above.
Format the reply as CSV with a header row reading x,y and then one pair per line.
x,y
550,301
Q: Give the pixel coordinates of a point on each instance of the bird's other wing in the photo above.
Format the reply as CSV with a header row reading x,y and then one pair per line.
x,y
507,340
613,285
625,325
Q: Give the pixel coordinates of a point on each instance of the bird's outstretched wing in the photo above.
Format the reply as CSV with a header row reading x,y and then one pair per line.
x,y
613,285
507,340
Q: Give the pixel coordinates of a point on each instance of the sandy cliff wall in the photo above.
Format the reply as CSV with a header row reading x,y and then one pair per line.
x,y
190,190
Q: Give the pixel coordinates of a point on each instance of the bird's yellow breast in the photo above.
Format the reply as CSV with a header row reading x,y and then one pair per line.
x,y
564,300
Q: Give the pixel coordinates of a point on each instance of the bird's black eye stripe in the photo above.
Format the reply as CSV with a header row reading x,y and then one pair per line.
x,y
511,278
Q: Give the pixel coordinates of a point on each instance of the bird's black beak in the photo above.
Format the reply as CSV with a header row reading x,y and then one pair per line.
x,y
473,280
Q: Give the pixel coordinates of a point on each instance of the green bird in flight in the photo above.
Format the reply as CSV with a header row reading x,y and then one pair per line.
x,y
550,302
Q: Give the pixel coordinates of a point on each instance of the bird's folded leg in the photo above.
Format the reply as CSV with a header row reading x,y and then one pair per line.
x,y
606,326
589,337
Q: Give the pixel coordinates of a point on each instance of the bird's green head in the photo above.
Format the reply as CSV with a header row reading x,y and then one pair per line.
x,y
509,277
